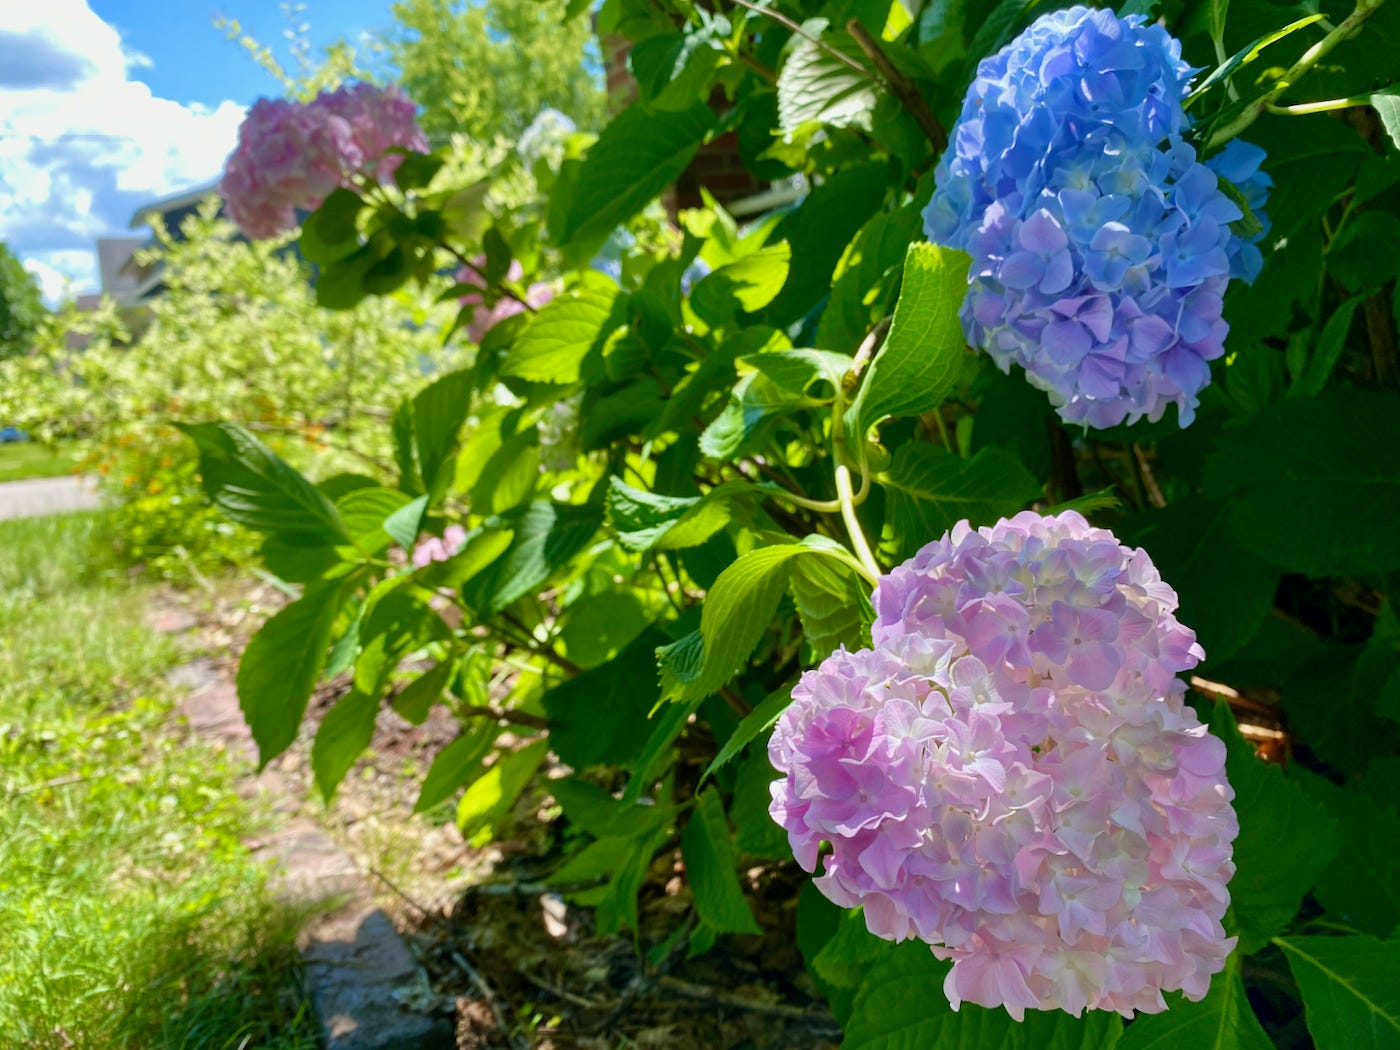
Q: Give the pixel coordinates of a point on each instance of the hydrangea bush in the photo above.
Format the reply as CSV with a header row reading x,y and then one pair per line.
x,y
668,493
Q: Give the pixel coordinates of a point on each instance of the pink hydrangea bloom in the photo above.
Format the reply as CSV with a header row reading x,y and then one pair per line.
x,y
1012,775
380,119
483,320
434,549
291,155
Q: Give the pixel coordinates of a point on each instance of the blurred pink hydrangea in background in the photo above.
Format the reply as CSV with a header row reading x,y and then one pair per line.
x,y
439,549
483,320
1012,775
291,155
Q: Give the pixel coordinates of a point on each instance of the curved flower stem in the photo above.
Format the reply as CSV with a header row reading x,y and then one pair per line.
x,y
846,497
1311,57
1304,108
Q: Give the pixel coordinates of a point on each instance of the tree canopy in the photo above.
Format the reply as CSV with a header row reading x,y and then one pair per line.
x,y
21,308
486,67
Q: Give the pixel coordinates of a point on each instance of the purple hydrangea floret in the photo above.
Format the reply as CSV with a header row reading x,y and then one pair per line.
x,y
1101,245
1011,773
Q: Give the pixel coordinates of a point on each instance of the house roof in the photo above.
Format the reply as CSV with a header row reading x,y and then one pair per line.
x,y
174,201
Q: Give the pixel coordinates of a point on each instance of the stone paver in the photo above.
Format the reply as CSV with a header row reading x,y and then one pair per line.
x,y
365,985
35,496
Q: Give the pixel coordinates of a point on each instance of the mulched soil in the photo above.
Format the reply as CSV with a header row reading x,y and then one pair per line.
x,y
520,965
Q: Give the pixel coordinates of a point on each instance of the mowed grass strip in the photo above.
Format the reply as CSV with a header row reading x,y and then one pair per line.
x,y
29,459
130,914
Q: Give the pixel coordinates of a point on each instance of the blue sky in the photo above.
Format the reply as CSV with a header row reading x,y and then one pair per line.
x,y
194,62
106,105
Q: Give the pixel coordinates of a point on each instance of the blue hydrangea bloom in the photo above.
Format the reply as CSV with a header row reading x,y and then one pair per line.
x,y
1101,245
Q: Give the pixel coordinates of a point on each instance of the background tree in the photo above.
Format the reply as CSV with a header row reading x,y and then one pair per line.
x,y
486,67
21,309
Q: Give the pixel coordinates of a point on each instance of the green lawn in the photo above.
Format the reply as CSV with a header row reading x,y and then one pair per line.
x,y
29,459
130,915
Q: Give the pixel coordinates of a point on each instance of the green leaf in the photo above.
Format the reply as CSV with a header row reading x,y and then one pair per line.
x,y
439,410
455,765
1311,159
648,520
922,357
737,610
342,737
755,831
759,720
641,152
489,799
406,522
1225,590
546,537
416,170
1361,887
1223,1020
665,726
1349,989
1303,466
866,277
416,699
850,952
256,489
747,284
1286,839
673,70
930,490
819,231
1365,254
756,402
709,866
831,600
815,85
615,416
365,513
1387,106
554,344
280,666
600,716
329,232
1329,349
796,370
900,1006
480,550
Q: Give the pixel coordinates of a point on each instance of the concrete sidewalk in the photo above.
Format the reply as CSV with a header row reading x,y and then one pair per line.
x,y
36,496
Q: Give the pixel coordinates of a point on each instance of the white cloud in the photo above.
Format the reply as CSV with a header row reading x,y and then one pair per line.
x,y
82,145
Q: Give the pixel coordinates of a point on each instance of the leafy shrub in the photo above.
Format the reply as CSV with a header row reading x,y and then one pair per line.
x,y
768,417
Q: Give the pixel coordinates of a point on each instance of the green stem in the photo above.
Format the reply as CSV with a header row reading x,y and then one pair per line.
x,y
846,497
1311,57
1304,108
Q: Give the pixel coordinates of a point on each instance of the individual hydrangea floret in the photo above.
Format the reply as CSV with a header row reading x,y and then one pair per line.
x,y
1011,773
291,155
485,318
442,548
1101,245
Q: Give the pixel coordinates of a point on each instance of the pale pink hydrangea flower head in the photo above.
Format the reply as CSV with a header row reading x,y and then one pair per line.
x,y
291,155
1011,773
486,318
439,549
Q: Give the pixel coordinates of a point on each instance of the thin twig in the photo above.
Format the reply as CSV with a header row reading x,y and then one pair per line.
x,y
503,714
796,27
560,993
900,86
1149,480
714,995
486,994
868,345
398,892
